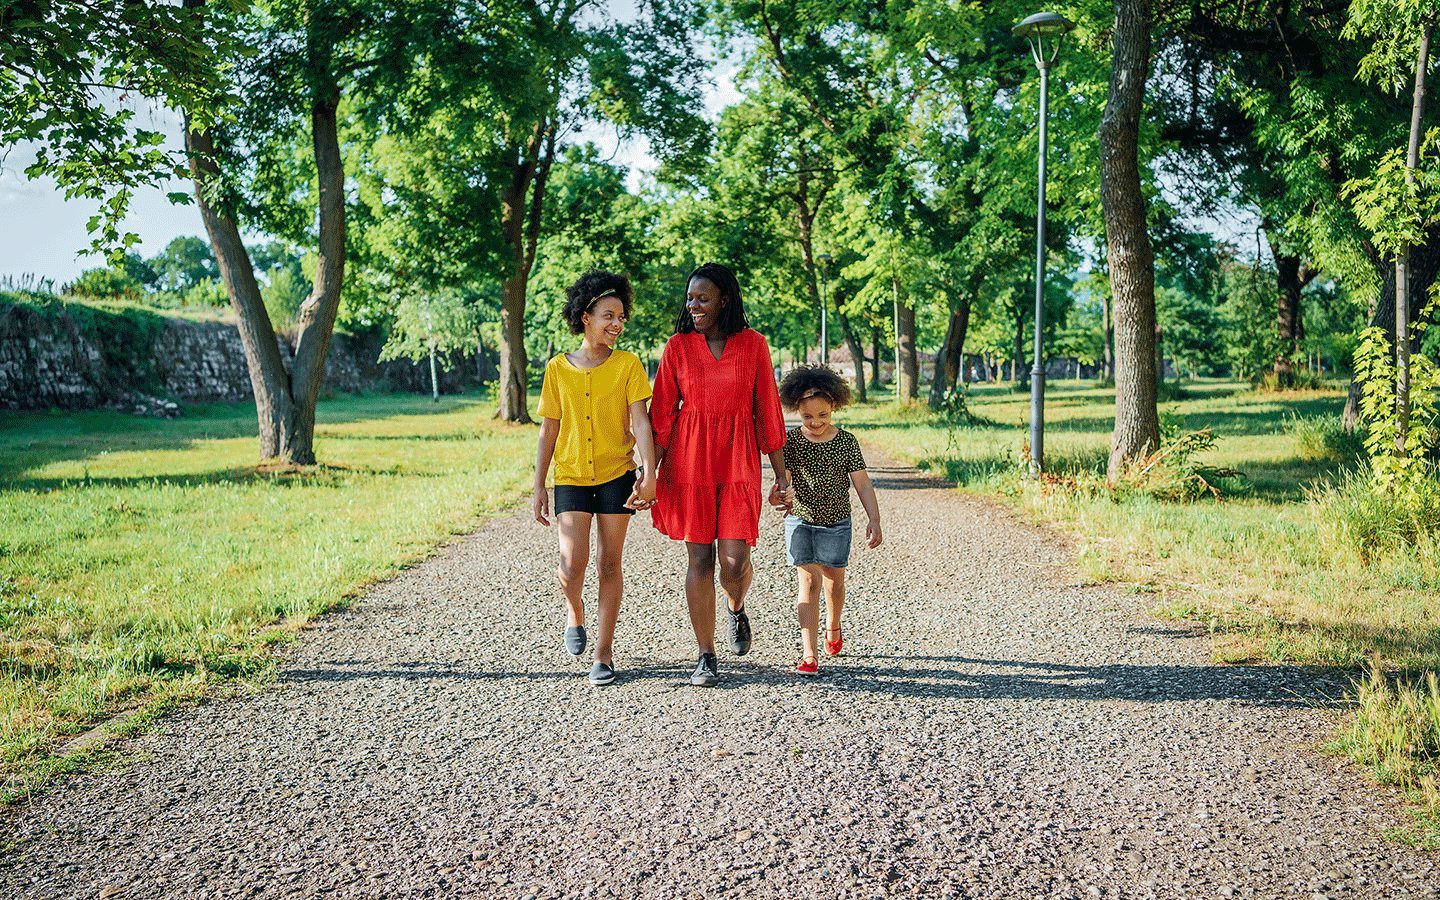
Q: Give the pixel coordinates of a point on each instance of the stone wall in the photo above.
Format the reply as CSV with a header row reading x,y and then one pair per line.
x,y
52,359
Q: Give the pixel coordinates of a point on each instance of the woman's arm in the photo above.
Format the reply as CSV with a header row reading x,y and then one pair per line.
x,y
544,453
866,492
644,493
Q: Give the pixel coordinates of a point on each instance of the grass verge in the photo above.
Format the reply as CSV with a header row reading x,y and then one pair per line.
x,y
152,559
1267,570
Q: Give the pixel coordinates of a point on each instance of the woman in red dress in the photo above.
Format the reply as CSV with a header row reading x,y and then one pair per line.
x,y
715,412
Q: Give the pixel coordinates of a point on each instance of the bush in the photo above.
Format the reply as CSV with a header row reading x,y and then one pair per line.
x,y
1374,521
1325,438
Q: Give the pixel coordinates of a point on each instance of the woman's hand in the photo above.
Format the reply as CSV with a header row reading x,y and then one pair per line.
x,y
541,506
782,498
643,496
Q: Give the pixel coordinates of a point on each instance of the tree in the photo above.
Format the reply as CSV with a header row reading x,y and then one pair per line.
x,y
1392,202
476,141
1129,256
70,69
184,263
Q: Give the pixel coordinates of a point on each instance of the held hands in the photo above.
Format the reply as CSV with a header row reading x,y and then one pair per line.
x,y
643,497
782,498
541,506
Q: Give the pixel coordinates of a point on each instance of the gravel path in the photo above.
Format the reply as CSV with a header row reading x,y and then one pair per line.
x,y
994,729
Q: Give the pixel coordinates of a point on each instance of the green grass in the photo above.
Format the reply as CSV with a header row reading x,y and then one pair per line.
x,y
1269,569
149,558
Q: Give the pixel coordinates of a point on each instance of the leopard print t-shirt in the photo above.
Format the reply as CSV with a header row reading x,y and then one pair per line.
x,y
821,475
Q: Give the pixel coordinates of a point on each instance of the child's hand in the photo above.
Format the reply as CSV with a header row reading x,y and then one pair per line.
x,y
872,534
781,498
541,506
643,497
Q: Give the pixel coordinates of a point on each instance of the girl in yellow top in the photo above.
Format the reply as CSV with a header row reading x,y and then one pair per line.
x,y
594,422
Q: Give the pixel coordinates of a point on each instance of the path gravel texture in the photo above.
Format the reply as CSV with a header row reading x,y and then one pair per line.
x,y
995,728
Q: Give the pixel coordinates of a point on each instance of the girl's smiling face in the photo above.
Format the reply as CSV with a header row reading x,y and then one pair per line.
x,y
815,417
604,322
704,302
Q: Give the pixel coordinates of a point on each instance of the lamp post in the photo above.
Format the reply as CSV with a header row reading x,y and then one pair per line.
x,y
824,259
1036,30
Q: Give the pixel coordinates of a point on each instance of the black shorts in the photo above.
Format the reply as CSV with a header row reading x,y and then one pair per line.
x,y
596,499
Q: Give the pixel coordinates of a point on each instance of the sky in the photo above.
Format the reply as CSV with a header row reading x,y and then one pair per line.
x,y
43,235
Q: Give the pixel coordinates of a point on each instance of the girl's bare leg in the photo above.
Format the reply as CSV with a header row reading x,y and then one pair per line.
x,y
807,606
574,551
700,594
834,595
609,542
736,572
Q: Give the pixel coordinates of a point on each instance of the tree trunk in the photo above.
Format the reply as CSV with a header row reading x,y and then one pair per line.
x,y
521,205
1131,260
1107,368
268,379
1017,364
857,352
315,322
875,359
907,363
1290,280
951,356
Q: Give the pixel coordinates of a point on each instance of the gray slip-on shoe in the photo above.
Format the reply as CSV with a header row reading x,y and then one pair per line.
x,y
575,639
601,673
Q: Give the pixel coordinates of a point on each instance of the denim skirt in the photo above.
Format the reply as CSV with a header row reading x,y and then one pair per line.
x,y
824,545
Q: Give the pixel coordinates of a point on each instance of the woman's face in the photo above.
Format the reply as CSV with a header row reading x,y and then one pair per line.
x,y
703,302
605,321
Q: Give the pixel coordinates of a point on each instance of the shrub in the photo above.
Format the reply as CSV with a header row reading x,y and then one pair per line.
x,y
1325,438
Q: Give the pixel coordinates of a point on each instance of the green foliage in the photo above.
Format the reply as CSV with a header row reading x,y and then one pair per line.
x,y
71,77
1393,208
1394,728
1375,524
1396,474
1172,473
1324,437
439,322
104,284
184,263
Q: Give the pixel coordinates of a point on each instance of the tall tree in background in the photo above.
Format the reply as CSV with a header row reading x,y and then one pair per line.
x,y
494,114
1130,259
311,53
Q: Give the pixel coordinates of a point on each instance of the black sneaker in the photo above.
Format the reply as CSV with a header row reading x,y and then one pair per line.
x,y
575,639
739,632
600,673
707,671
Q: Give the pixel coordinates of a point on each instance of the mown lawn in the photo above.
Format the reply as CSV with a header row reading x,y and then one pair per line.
x,y
149,557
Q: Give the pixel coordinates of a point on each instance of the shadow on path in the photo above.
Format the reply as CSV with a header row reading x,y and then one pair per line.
x,y
937,677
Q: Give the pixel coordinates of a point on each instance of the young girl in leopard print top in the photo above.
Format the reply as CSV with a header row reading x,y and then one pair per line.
x,y
823,462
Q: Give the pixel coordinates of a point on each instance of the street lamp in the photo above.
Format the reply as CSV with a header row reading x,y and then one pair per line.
x,y
1036,30
824,259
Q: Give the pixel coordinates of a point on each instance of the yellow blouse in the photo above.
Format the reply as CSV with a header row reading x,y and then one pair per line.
x,y
593,407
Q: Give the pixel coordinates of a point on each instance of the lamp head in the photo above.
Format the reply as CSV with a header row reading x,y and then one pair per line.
x,y
1037,28
825,257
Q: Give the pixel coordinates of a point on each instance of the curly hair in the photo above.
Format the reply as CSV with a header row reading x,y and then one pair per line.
x,y
812,380
594,285
732,317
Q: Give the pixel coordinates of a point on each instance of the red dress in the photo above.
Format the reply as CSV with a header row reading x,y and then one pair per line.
x,y
714,419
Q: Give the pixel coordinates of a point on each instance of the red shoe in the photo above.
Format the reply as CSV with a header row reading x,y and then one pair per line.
x,y
834,645
809,665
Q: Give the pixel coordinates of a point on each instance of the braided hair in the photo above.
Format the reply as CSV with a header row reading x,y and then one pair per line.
x,y
732,317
